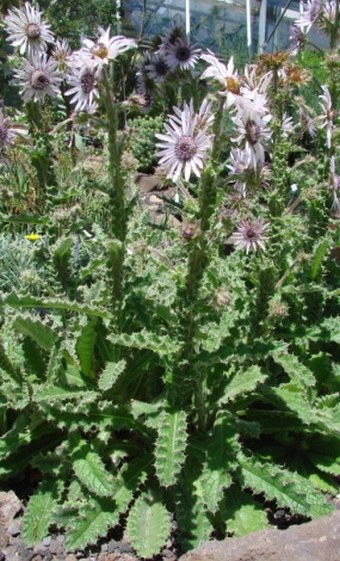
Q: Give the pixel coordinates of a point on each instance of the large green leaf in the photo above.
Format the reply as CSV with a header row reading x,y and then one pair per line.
x,y
287,488
148,526
110,374
39,513
170,446
297,371
90,470
92,522
242,382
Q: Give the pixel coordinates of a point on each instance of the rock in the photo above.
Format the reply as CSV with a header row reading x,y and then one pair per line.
x,y
14,528
46,541
318,540
146,183
4,537
10,505
70,557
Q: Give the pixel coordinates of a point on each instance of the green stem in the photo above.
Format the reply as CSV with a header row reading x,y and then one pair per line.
x,y
118,214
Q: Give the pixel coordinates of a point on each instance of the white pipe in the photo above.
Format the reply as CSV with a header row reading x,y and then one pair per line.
x,y
187,18
249,23
262,25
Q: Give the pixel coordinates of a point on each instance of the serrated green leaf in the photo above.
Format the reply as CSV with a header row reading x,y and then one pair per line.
x,y
110,374
297,371
91,471
221,449
243,513
287,488
170,446
27,302
148,526
43,335
159,344
39,513
243,382
54,393
331,327
85,347
94,521
319,255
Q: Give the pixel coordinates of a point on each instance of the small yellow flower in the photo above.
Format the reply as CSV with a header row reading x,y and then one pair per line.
x,y
32,237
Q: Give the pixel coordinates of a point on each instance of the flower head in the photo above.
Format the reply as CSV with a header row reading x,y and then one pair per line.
x,y
227,76
297,39
328,116
185,146
250,236
83,82
156,67
309,12
39,78
7,133
181,54
27,30
105,48
253,132
61,53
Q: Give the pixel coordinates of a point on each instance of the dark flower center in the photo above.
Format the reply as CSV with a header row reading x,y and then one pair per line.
x,y
161,68
232,85
39,80
100,50
253,132
3,133
33,31
183,53
87,82
251,234
185,148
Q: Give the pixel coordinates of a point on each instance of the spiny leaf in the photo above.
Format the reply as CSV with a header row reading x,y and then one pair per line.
x,y
294,368
43,335
85,347
148,526
159,344
39,513
170,446
287,488
54,393
243,382
129,479
94,521
110,374
243,513
318,257
27,302
221,450
91,471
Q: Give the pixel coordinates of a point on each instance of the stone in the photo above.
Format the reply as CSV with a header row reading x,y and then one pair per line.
x,y
318,540
14,528
46,541
146,183
10,505
70,557
4,537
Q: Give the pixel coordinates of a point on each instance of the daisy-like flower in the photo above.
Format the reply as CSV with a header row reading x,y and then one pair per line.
x,y
184,147
251,120
105,48
329,11
287,125
307,122
181,54
309,12
27,30
335,186
7,134
227,76
250,236
38,78
83,82
256,81
61,53
241,167
297,39
156,67
328,116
